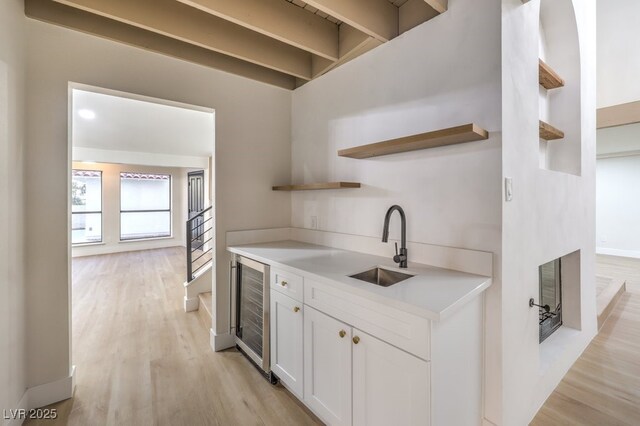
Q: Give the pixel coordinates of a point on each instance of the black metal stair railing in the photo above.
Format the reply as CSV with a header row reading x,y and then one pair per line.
x,y
199,242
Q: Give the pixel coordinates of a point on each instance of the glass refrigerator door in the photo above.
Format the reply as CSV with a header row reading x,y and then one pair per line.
x,y
250,324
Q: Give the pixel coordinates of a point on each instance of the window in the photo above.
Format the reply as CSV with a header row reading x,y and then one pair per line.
x,y
145,206
86,206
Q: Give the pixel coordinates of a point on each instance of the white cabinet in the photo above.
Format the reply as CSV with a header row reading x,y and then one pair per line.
x,y
286,341
327,367
390,387
353,378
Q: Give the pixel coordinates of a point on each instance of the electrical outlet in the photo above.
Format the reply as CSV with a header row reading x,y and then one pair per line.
x,y
314,222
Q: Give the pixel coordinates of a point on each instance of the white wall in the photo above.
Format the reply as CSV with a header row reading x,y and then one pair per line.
x,y
552,214
443,73
252,153
619,139
111,209
618,206
12,104
618,52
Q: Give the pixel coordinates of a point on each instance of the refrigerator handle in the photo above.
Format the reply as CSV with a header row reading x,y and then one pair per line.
x,y
232,296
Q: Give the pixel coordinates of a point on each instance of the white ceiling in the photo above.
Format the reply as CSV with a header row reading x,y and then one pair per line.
x,y
123,124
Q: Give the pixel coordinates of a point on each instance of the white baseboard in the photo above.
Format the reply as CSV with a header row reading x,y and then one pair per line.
x,y
220,342
618,252
49,393
192,304
43,395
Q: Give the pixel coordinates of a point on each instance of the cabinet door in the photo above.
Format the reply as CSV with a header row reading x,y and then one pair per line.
x,y
327,367
390,387
286,341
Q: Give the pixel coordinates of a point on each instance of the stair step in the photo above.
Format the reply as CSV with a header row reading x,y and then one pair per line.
x,y
609,291
204,310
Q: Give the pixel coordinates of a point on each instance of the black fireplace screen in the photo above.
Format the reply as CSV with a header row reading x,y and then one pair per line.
x,y
550,298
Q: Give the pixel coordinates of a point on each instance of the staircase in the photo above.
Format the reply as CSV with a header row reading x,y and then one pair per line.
x,y
199,247
204,312
608,293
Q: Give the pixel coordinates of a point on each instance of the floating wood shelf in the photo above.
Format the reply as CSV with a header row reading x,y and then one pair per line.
x,y
548,132
315,186
547,77
450,136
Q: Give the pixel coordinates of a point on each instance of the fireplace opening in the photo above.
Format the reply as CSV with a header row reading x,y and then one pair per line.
x,y
550,298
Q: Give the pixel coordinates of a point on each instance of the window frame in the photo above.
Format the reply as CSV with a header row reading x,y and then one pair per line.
x,y
169,210
101,211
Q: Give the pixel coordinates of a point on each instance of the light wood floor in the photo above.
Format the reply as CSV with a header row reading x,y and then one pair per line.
x,y
141,360
603,386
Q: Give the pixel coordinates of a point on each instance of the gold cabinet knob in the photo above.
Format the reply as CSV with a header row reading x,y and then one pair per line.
x,y
296,309
283,283
355,339
342,333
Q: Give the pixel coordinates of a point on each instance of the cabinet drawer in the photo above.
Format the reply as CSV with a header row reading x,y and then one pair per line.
x,y
287,283
403,330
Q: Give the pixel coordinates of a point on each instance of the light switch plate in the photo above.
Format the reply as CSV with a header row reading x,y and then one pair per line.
x,y
508,189
314,222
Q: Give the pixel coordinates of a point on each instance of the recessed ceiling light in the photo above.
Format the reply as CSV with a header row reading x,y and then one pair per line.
x,y
87,114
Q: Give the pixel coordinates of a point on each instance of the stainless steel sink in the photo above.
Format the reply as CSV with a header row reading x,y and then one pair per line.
x,y
381,277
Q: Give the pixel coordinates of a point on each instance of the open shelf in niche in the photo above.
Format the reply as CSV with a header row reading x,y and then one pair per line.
x,y
316,186
548,132
453,135
547,77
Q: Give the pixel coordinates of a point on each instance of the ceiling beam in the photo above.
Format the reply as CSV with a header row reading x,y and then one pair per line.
x,y
181,22
277,19
413,13
439,6
353,43
376,18
76,19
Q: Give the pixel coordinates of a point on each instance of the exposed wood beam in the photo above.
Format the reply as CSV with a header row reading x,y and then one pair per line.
x,y
618,115
377,18
353,43
414,13
277,19
76,19
439,6
176,20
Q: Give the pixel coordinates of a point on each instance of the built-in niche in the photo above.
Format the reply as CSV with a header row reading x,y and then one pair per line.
x,y
559,105
558,301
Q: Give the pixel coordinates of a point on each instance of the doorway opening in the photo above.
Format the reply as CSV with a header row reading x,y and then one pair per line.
x,y
141,174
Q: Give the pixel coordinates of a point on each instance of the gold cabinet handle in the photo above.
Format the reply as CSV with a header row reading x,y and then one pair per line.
x,y
356,340
342,333
296,309
283,283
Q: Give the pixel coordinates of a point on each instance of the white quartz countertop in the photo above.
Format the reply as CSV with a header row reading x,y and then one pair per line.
x,y
432,293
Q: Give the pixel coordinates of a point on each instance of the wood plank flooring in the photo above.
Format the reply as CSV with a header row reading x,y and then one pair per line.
x,y
141,360
603,386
